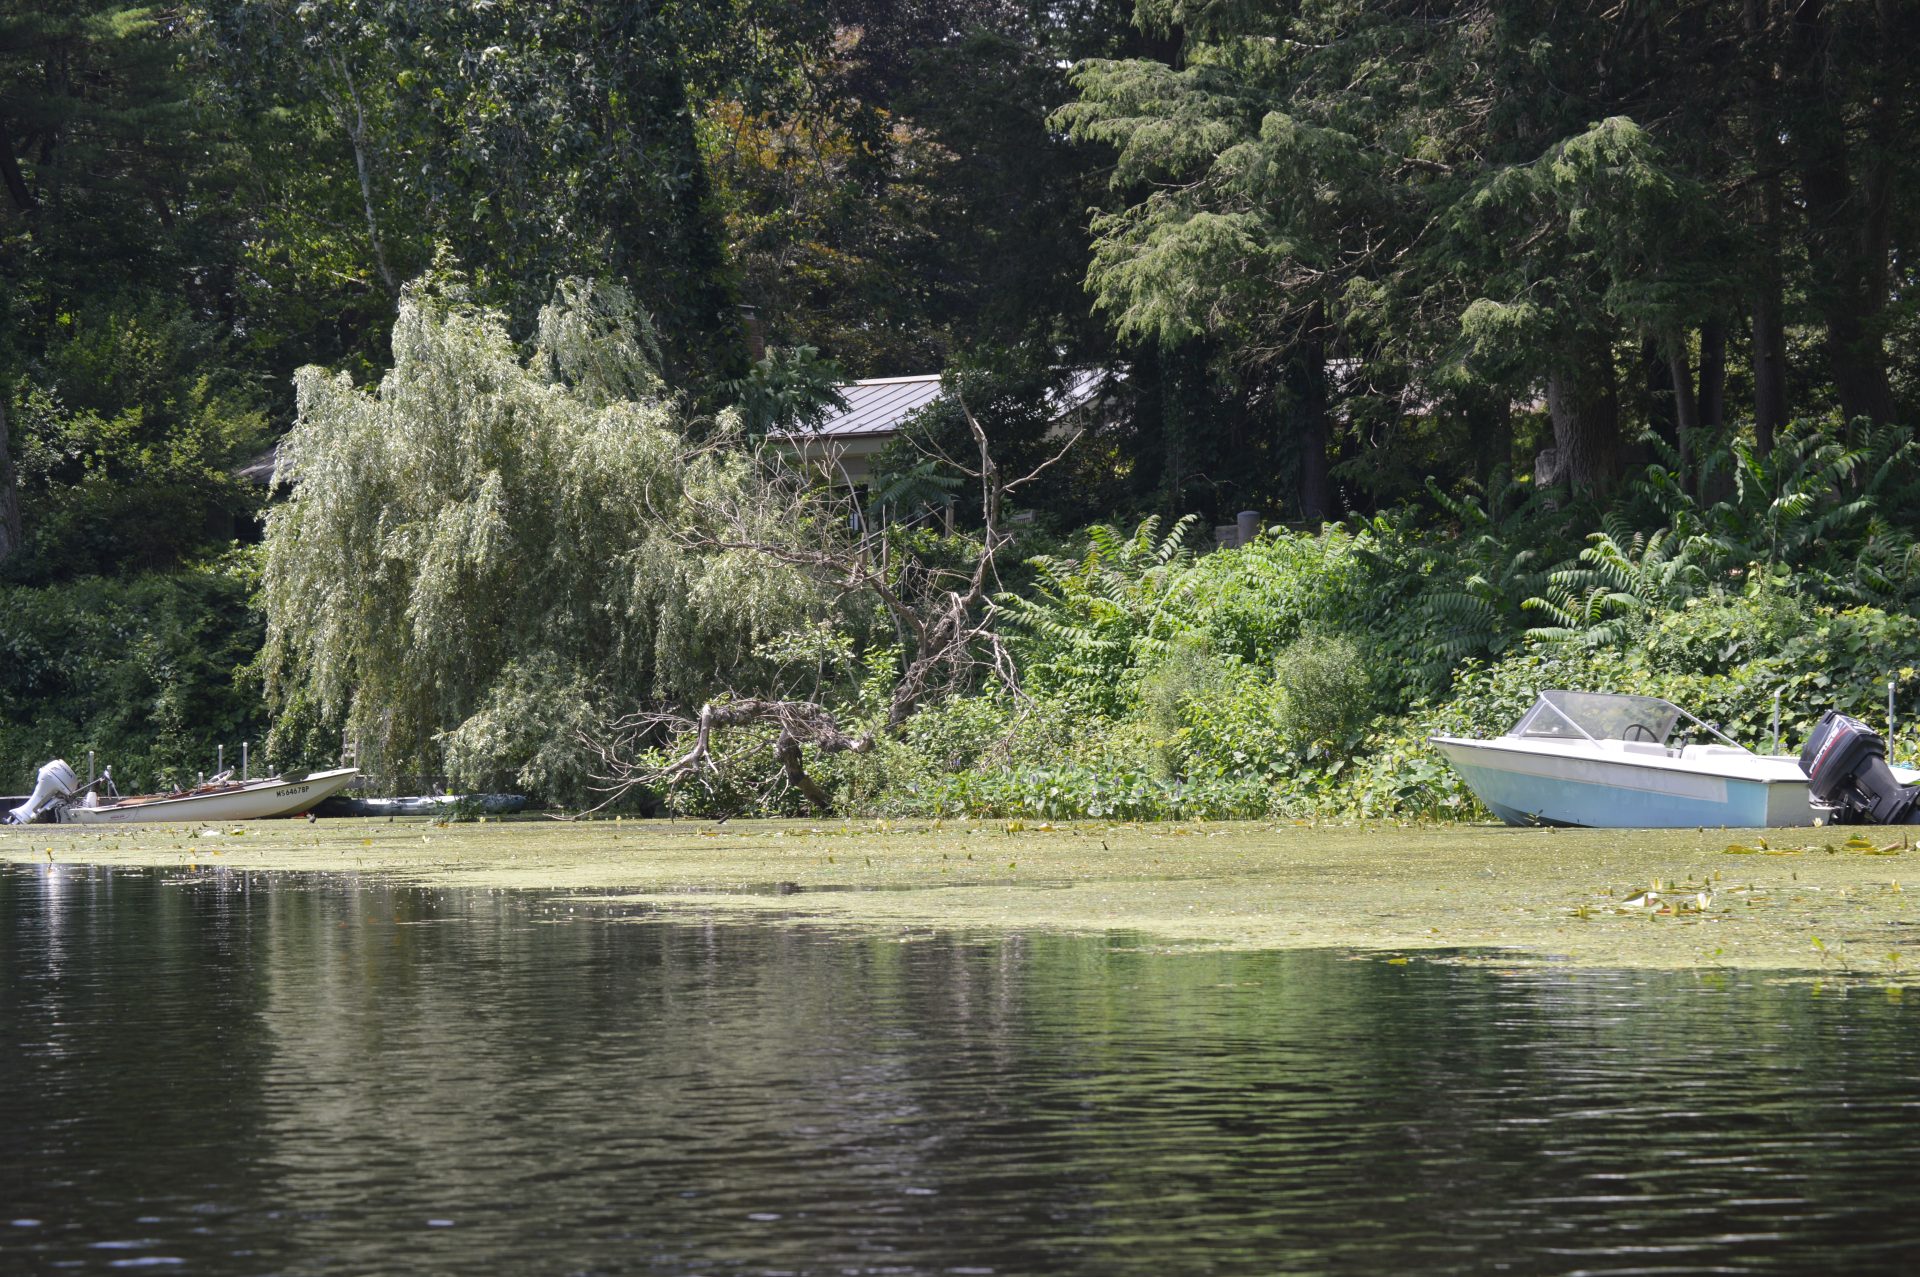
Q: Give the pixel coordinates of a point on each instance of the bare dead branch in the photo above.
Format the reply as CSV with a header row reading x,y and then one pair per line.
x,y
945,615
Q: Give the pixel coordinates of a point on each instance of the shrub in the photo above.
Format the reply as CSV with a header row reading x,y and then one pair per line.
x,y
1328,693
1073,792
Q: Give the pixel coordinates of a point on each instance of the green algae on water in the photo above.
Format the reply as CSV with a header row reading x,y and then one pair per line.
x,y
1662,899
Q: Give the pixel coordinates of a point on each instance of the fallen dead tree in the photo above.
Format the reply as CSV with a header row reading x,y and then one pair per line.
x,y
945,615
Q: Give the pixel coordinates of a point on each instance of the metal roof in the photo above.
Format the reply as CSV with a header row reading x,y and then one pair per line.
x,y
878,405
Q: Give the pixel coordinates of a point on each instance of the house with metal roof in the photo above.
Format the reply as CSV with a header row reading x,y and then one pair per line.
x,y
876,410
879,407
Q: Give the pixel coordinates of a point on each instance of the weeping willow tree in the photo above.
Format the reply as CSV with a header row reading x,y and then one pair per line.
x,y
483,558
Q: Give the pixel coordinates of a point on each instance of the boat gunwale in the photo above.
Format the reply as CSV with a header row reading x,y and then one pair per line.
x,y
152,802
1588,751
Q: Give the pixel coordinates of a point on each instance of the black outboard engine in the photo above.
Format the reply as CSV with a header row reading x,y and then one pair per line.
x,y
1846,766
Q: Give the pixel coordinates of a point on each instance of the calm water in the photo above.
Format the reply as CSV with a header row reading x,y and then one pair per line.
x,y
221,1074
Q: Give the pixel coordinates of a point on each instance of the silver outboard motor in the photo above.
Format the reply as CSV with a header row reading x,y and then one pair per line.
x,y
1846,766
56,781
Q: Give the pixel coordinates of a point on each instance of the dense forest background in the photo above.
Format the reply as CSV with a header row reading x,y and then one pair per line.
x,y
1555,343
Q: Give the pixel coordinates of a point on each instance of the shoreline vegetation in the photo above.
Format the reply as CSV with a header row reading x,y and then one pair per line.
x,y
1313,379
1824,902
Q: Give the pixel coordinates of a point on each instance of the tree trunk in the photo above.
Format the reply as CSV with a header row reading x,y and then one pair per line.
x,y
1713,375
359,136
10,530
1584,402
1656,390
786,748
1686,408
1177,394
1848,222
1858,360
10,173
682,249
1312,429
1769,355
1769,367
1490,435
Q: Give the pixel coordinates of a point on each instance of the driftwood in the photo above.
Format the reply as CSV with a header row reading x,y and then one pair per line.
x,y
946,616
799,722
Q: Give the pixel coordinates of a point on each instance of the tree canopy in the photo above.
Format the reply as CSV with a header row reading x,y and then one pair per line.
x,y
477,562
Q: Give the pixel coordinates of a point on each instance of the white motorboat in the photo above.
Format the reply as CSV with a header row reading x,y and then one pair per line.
x,y
219,799
1624,762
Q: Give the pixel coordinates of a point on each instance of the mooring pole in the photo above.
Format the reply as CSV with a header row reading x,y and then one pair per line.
x,y
243,760
90,772
219,759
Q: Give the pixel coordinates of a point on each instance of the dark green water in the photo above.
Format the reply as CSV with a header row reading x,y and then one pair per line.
x,y
220,1074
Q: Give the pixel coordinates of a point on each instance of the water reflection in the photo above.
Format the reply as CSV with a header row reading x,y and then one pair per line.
x,y
341,1076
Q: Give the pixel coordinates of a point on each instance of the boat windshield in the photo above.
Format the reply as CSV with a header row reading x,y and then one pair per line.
x,y
1598,716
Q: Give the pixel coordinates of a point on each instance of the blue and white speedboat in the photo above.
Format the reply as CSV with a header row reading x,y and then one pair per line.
x,y
1625,762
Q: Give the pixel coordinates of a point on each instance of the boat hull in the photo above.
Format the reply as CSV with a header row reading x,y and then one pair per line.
x,y
257,800
1536,787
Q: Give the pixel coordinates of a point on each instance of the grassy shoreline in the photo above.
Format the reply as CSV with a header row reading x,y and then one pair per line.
x,y
1784,900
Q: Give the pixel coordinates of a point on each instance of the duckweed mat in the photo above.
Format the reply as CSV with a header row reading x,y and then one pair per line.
x,y
1823,900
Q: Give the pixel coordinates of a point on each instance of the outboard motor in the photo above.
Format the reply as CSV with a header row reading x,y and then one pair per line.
x,y
1846,766
56,781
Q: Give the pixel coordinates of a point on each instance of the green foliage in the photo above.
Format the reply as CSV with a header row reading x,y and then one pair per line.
x,y
1085,793
123,448
1091,618
1623,579
1500,561
1232,723
1838,512
477,562
538,140
147,671
1329,691
790,389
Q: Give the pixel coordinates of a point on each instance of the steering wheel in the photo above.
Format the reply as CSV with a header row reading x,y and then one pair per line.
x,y
1631,728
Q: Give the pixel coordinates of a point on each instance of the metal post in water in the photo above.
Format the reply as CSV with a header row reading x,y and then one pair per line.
x,y
219,759
243,760
1776,718
90,771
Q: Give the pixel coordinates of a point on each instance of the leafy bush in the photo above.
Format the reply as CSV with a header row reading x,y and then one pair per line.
x,y
1835,506
1328,692
1091,619
1073,792
1235,725
149,673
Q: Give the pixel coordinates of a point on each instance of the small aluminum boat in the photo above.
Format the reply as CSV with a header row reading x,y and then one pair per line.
x,y
220,799
1624,762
